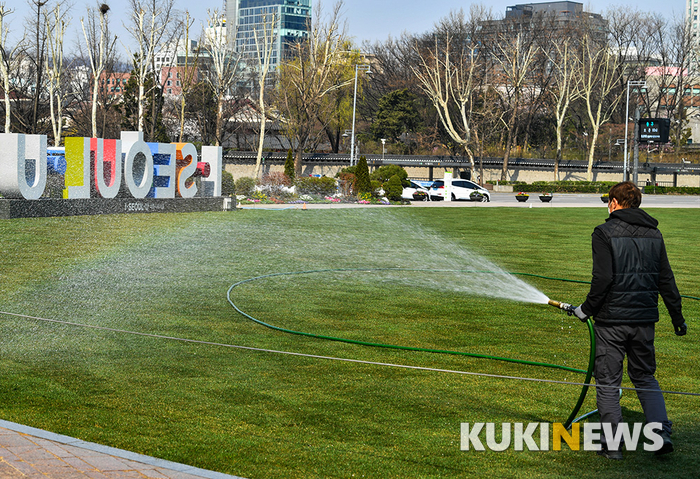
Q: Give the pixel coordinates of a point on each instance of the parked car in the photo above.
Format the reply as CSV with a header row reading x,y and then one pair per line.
x,y
415,192
461,190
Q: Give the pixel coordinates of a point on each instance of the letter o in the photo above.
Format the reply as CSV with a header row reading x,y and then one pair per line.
x,y
142,189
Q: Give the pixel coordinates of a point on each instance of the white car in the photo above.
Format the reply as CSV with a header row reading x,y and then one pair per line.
x,y
461,190
415,192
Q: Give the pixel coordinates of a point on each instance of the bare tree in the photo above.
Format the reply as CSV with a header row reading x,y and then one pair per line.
x,y
189,74
563,89
515,54
144,31
447,76
265,39
98,57
38,60
7,56
56,28
599,78
307,78
224,67
671,77
150,23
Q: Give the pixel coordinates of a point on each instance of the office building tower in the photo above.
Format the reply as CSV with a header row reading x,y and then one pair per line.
x,y
243,17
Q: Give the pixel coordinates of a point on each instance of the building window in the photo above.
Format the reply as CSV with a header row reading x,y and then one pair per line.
x,y
169,82
170,91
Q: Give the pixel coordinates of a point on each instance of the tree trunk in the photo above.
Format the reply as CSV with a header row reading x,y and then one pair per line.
x,y
557,158
219,116
93,114
261,142
182,117
298,158
141,99
333,138
509,145
39,67
8,106
591,153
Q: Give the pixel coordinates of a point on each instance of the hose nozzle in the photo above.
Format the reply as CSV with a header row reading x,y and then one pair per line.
x,y
563,306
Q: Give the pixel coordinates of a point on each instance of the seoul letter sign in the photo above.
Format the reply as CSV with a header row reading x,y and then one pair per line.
x,y
104,168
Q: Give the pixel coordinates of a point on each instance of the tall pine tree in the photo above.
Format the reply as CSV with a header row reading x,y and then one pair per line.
x,y
289,166
362,181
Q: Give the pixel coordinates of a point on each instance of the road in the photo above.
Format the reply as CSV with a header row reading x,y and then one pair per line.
x,y
559,200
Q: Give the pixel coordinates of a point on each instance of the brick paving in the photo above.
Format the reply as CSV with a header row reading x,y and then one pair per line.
x,y
33,453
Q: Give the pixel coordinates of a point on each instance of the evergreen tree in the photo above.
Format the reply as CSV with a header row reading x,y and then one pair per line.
x,y
396,115
289,166
393,188
362,181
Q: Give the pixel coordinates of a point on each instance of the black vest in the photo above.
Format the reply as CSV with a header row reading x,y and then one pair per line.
x,y
636,253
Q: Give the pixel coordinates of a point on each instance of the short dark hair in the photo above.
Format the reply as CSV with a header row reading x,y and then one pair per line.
x,y
627,194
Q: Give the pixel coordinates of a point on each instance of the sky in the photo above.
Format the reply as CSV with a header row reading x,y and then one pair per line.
x,y
371,20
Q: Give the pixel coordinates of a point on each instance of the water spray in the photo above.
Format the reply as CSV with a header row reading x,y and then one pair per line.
x,y
563,306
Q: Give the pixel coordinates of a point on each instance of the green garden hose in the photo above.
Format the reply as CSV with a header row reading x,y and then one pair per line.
x,y
591,359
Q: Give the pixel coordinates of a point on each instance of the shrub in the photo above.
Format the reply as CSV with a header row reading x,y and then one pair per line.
x,y
376,187
310,185
393,188
384,173
349,169
362,181
346,181
228,186
245,186
275,184
566,186
289,167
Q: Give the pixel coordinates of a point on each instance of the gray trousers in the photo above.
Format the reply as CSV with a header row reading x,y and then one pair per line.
x,y
613,342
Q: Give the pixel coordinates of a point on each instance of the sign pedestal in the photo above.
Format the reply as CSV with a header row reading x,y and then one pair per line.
x,y
49,207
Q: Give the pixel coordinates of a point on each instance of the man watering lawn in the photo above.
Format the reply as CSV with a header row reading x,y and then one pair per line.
x,y
630,270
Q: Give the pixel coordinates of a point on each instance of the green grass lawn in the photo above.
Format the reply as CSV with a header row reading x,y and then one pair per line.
x,y
264,415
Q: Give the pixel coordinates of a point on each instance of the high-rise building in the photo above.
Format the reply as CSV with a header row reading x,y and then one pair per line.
x,y
243,17
691,16
562,15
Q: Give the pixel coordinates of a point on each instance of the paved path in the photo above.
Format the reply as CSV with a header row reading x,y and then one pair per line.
x,y
27,452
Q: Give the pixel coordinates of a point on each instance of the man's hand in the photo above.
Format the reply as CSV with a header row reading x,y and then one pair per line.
x,y
578,312
681,330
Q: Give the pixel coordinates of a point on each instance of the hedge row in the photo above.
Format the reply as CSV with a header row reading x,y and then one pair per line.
x,y
671,190
565,186
594,187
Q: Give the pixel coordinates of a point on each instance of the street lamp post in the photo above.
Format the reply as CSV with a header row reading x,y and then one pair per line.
x,y
641,84
383,148
368,69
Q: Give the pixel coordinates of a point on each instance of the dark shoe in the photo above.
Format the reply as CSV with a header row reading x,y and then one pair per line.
x,y
614,455
667,446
